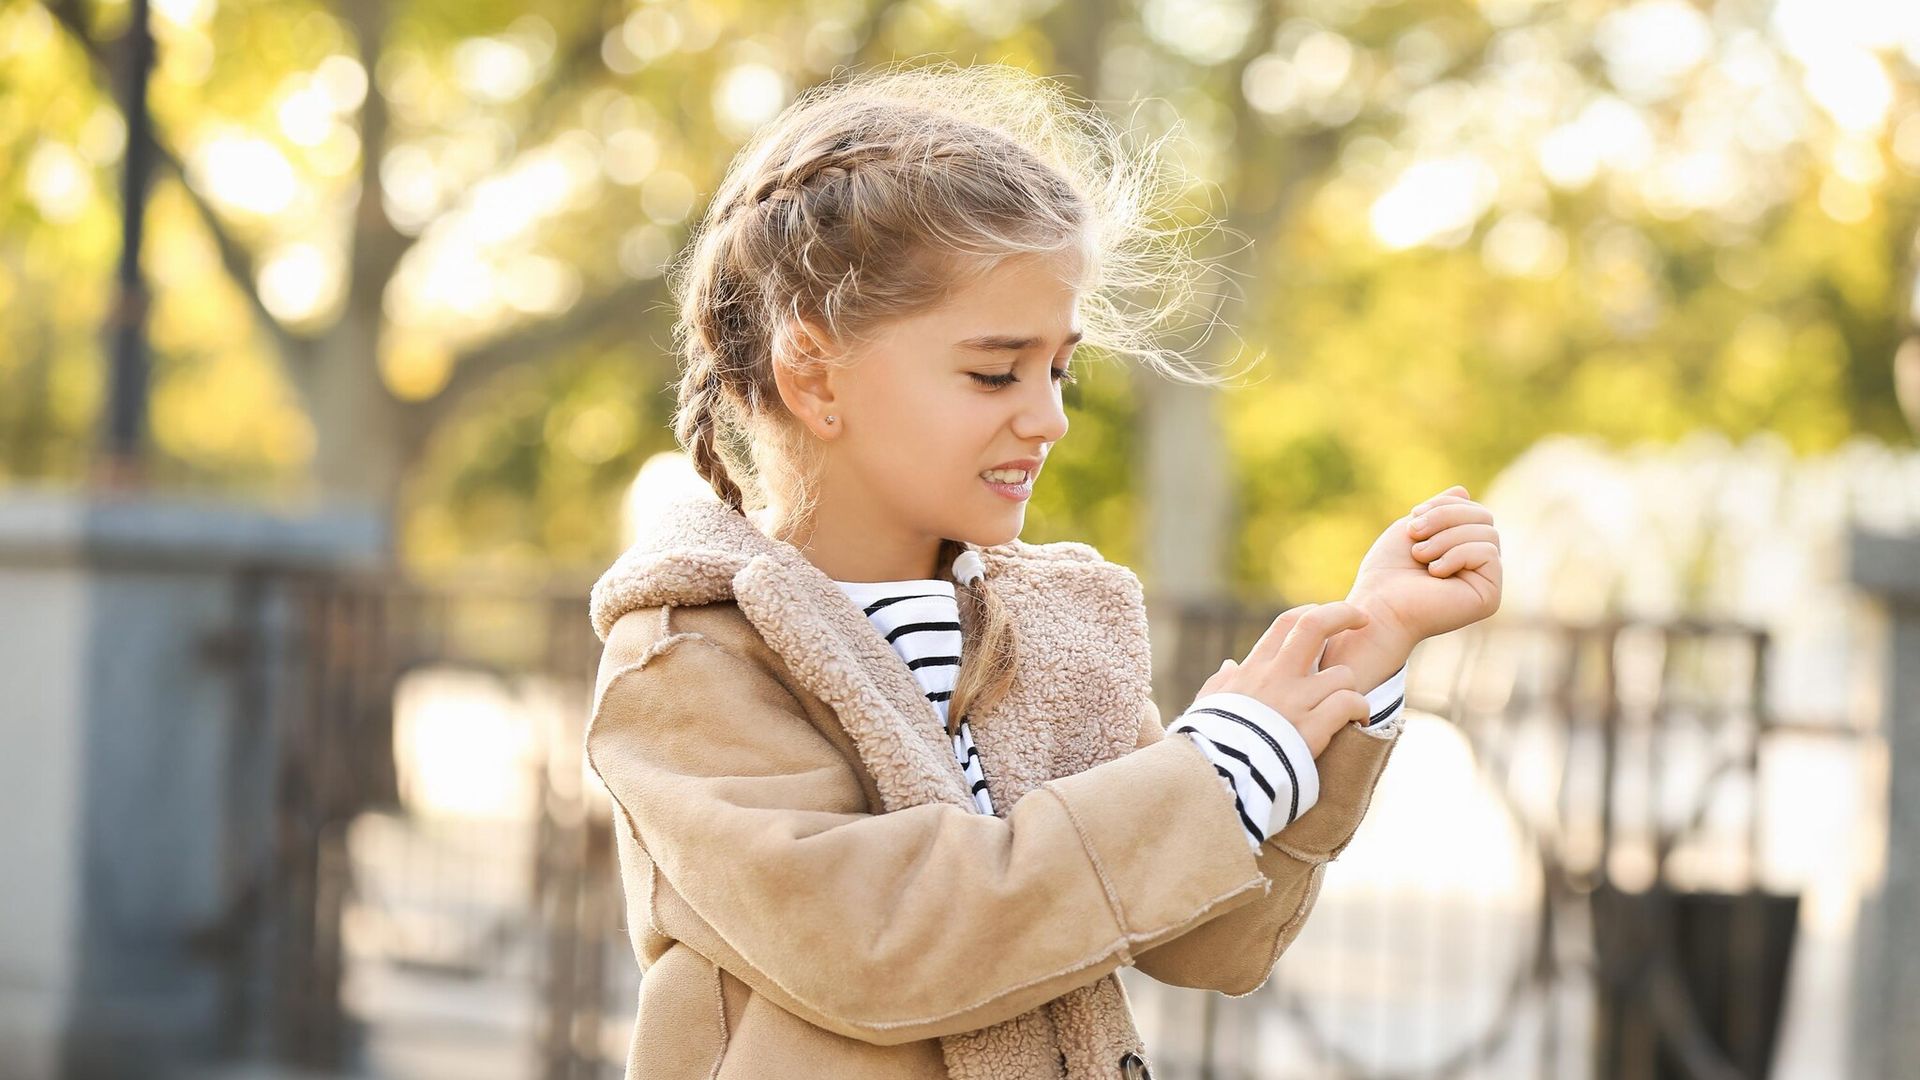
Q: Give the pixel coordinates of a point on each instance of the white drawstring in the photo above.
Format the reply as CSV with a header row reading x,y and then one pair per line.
x,y
967,568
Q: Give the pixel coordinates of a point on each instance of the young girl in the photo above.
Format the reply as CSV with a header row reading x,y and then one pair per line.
x,y
892,796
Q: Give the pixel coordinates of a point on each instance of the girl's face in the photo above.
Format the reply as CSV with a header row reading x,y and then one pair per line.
x,y
927,406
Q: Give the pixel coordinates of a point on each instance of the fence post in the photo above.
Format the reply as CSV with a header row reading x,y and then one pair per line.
x,y
129,769
1886,987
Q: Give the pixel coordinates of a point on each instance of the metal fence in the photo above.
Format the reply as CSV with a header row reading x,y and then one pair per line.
x,y
1586,899
1622,776
445,900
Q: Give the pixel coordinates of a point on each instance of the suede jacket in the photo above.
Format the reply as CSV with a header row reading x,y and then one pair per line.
x,y
810,890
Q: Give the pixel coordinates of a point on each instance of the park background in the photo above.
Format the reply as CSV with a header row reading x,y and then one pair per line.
x,y
306,465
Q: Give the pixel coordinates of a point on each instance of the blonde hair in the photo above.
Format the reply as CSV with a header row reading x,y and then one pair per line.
x,y
869,199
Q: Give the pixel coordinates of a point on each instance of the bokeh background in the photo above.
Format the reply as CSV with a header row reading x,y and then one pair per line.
x,y
335,363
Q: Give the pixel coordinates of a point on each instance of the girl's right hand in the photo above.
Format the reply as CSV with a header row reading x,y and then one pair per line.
x,y
1279,673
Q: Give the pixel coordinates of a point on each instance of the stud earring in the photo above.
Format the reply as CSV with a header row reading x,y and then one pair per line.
x,y
829,419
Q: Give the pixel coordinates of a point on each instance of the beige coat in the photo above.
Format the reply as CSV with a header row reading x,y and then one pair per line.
x,y
810,890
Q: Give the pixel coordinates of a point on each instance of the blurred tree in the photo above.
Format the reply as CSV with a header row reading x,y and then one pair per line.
x,y
419,175
1470,224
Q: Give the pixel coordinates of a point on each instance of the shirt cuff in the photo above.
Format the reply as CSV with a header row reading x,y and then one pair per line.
x,y
1386,702
1273,771
1254,831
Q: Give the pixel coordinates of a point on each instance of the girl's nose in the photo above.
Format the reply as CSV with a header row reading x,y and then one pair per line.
x,y
1046,421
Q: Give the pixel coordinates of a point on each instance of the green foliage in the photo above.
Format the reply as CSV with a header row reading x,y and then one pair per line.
x,y
1389,372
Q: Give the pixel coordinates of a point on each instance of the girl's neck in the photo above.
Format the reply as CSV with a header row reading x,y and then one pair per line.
x,y
847,552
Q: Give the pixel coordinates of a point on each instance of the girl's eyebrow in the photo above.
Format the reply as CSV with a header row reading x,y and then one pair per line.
x,y
1007,343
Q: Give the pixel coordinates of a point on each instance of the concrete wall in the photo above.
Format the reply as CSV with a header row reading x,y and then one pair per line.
x,y
1886,1015
121,790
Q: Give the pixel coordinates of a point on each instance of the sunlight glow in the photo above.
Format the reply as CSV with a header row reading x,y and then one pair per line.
x,y
1524,245
1323,61
343,80
749,95
665,477
1836,40
103,137
539,285
186,13
1689,181
1652,46
245,172
650,33
473,262
411,187
1203,31
492,69
58,181
305,112
631,155
463,746
1418,816
1853,87
298,282
1434,201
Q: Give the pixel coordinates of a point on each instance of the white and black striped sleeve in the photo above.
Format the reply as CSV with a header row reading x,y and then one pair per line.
x,y
1262,758
1386,702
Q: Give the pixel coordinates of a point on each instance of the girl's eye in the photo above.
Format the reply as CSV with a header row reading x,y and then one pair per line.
x,y
1061,375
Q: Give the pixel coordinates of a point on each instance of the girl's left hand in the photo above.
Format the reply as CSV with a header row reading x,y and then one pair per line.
x,y
1435,570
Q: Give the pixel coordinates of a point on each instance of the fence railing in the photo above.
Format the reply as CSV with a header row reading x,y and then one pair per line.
x,y
1563,873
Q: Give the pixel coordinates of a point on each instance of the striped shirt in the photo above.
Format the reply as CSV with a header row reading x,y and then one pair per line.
x,y
1261,758
920,618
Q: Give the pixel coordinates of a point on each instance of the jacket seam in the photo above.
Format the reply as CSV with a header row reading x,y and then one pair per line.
x,y
1366,797
1311,858
720,1004
1099,871
653,868
1289,929
1315,874
888,1025
660,646
668,639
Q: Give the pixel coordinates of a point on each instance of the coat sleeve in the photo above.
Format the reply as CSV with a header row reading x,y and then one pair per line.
x,y
898,926
1235,952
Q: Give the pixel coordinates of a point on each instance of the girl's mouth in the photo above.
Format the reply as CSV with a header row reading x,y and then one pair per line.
x,y
1018,491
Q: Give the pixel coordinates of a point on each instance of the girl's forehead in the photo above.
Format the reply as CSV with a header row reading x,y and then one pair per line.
x,y
1016,291
1014,300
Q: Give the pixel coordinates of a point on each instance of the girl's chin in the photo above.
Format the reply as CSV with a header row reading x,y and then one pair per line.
x,y
983,534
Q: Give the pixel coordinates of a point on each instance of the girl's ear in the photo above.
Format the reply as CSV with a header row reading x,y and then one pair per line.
x,y
800,343
804,380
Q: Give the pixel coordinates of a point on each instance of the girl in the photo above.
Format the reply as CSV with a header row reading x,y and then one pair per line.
x,y
891,793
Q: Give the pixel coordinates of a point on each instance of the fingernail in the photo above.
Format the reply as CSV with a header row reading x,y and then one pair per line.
x,y
1418,523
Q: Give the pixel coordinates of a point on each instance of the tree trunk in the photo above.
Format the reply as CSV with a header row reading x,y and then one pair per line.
x,y
363,445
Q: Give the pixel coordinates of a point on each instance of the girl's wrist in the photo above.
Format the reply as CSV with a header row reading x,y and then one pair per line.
x,y
1375,651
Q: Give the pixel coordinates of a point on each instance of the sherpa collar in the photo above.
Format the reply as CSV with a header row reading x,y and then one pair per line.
x,y
1082,635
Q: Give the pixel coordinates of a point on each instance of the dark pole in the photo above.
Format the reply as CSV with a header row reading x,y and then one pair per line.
x,y
124,464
